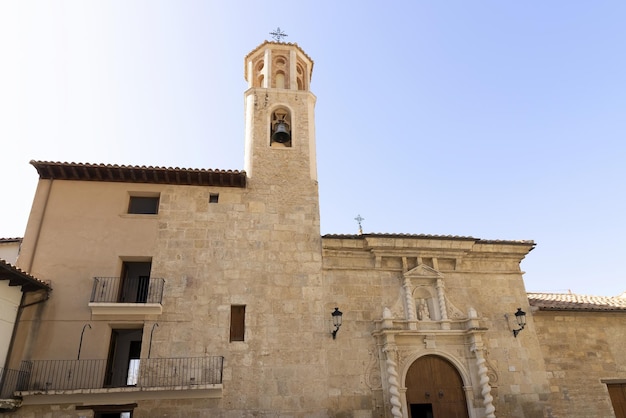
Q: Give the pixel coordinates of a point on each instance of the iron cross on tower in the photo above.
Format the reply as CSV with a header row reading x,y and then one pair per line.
x,y
359,219
278,35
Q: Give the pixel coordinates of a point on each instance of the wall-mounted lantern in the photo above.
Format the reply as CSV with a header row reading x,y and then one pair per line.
x,y
520,317
337,318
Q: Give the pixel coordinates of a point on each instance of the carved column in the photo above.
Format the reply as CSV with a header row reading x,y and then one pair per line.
x,y
485,388
392,379
441,296
410,303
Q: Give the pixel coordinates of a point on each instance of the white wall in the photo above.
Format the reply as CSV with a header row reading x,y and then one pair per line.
x,y
10,297
9,250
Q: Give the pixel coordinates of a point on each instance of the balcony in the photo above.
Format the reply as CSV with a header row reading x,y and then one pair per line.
x,y
9,381
46,381
129,297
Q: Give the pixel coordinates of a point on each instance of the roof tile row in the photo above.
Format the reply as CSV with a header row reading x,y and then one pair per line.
x,y
574,302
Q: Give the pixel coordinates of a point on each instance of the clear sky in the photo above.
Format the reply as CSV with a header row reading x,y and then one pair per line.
x,y
491,119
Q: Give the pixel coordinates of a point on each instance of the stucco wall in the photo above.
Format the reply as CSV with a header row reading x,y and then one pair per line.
x,y
85,232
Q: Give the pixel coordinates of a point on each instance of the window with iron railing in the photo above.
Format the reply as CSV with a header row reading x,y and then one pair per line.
x,y
50,375
130,290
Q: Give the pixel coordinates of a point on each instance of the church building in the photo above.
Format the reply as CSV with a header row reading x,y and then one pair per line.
x,y
173,292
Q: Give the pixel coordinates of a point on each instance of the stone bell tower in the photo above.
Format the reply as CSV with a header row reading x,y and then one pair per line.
x,y
276,269
279,112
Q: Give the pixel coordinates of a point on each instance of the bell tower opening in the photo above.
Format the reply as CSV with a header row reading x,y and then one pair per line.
x,y
281,128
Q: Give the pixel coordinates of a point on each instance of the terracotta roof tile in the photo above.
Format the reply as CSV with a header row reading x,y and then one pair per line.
x,y
18,277
139,174
426,236
6,240
574,302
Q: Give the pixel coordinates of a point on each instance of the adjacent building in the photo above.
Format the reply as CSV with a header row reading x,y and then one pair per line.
x,y
18,291
196,292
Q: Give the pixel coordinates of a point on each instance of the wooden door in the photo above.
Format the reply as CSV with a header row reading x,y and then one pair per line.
x,y
435,389
617,392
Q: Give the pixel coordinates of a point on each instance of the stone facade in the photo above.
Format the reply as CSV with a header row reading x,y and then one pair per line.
x,y
582,352
234,319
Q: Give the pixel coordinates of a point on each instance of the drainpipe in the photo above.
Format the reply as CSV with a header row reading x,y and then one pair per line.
x,y
18,315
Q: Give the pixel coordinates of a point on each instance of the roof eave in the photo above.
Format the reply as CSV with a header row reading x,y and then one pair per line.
x,y
17,277
48,170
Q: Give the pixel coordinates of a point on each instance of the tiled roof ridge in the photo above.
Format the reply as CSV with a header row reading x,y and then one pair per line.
x,y
149,167
573,301
409,235
16,239
572,294
139,174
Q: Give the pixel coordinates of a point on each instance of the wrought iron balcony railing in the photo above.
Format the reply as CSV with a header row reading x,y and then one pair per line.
x,y
168,373
9,381
127,290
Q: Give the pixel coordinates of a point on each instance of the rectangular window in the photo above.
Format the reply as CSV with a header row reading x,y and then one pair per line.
x,y
214,197
109,411
237,322
147,205
113,414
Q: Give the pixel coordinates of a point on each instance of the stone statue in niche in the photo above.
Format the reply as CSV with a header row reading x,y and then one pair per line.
x,y
423,314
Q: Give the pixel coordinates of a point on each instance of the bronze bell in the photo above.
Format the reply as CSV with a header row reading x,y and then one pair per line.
x,y
281,134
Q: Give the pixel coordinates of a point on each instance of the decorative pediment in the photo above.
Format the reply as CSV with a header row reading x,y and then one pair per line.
x,y
423,271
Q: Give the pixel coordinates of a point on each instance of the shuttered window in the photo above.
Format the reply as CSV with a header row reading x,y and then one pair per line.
x,y
237,322
617,392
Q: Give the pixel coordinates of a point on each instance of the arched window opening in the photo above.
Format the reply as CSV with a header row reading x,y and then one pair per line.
x,y
280,128
280,73
300,77
258,70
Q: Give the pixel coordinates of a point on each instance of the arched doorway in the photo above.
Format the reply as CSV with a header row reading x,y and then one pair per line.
x,y
435,389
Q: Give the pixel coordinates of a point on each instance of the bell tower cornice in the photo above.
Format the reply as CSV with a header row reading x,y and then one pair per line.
x,y
266,48
278,65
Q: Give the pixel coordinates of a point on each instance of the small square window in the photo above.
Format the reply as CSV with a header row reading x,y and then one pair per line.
x,y
144,205
213,197
237,322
